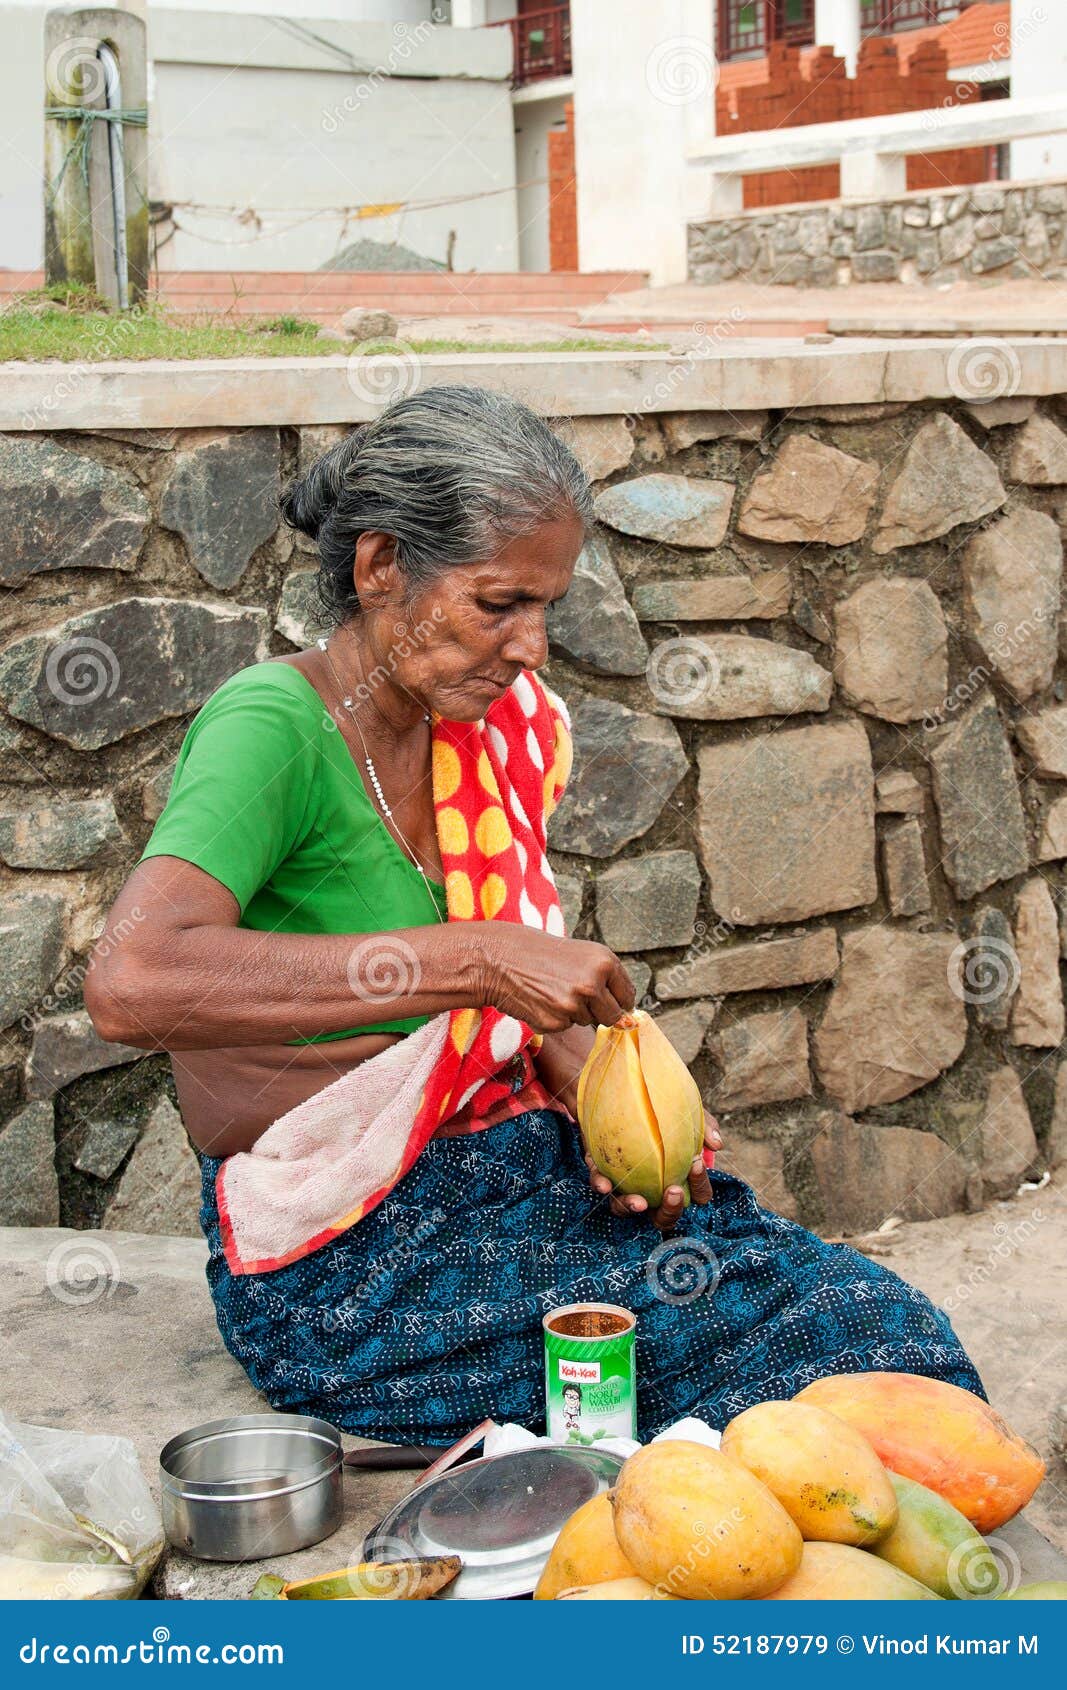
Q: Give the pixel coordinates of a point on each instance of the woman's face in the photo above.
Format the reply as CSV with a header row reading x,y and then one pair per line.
x,y
467,636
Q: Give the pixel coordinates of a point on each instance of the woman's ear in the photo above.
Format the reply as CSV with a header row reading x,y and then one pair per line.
x,y
375,570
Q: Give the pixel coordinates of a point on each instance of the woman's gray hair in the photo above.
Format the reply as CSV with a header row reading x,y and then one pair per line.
x,y
451,473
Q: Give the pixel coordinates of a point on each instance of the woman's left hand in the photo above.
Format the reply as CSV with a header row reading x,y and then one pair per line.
x,y
673,1203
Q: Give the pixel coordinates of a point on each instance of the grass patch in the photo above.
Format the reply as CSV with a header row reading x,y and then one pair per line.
x,y
71,325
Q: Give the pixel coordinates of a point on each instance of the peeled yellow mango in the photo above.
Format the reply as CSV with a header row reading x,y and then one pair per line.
x,y
617,1590
639,1109
586,1552
823,1472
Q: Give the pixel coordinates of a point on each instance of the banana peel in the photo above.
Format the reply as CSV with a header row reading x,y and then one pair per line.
x,y
640,1109
389,1581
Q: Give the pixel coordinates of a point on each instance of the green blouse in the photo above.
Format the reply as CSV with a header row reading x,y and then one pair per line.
x,y
266,799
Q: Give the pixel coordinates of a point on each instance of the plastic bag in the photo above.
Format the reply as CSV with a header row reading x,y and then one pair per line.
x,y
77,1520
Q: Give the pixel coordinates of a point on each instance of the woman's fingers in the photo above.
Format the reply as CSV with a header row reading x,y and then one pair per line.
x,y
667,1215
712,1135
699,1183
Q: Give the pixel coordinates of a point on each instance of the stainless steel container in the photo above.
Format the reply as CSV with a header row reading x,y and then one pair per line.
x,y
252,1486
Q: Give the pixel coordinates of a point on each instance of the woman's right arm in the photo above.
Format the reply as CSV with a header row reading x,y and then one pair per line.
x,y
174,971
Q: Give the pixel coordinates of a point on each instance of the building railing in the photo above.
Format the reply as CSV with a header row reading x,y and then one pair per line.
x,y
749,26
886,17
872,151
542,44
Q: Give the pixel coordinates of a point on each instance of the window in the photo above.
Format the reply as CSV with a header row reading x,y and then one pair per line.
x,y
886,17
749,26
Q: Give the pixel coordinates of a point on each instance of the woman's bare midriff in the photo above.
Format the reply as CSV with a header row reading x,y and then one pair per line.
x,y
230,1097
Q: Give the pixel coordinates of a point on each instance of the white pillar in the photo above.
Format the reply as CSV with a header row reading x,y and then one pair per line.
x,y
644,91
469,14
837,25
1038,66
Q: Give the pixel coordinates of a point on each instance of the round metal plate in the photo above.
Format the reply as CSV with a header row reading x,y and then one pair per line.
x,y
500,1515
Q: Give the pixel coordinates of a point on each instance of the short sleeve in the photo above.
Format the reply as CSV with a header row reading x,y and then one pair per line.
x,y
243,782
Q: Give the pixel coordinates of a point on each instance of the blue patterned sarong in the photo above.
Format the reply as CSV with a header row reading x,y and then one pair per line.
x,y
426,1317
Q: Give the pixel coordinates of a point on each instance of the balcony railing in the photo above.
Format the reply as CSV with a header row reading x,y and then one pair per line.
x,y
542,42
749,26
886,17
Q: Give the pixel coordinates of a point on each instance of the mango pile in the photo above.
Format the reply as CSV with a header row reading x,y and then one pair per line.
x,y
639,1109
871,1486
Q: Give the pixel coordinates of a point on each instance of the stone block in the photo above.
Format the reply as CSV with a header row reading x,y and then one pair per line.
x,y
115,670
29,1186
715,598
602,445
301,618
105,1146
1011,593
763,1058
361,324
65,1046
762,1166
726,677
812,492
1038,455
686,428
989,968
648,902
904,867
73,513
1043,737
945,480
222,498
1037,1018
898,793
570,888
686,1027
787,791
866,1174
31,949
892,649
1009,1148
593,622
983,831
719,968
895,1019
1052,841
60,835
626,766
160,1188
678,510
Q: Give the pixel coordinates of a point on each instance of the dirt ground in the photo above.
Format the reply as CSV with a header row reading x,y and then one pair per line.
x,y
1001,1275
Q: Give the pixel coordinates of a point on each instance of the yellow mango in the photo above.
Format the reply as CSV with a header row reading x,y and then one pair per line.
x,y
617,1590
823,1472
699,1525
838,1572
639,1109
585,1552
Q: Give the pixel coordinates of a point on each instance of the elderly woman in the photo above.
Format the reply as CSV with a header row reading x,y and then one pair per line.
x,y
302,829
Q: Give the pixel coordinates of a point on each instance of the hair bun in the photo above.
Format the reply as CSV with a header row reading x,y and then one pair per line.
x,y
312,497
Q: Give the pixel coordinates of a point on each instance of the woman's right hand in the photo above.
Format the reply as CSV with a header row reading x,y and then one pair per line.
x,y
549,982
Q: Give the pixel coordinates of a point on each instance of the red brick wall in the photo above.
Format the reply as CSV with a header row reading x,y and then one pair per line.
x,y
805,86
562,197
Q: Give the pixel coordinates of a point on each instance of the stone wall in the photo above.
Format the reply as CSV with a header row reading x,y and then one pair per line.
x,y
997,230
819,807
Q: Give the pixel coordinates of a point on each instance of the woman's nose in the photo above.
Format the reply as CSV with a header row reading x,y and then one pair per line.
x,y
528,644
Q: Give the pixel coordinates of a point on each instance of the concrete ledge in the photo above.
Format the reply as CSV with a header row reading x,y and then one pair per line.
x,y
739,375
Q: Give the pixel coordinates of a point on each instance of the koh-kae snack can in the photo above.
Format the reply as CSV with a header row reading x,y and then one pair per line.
x,y
590,1385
